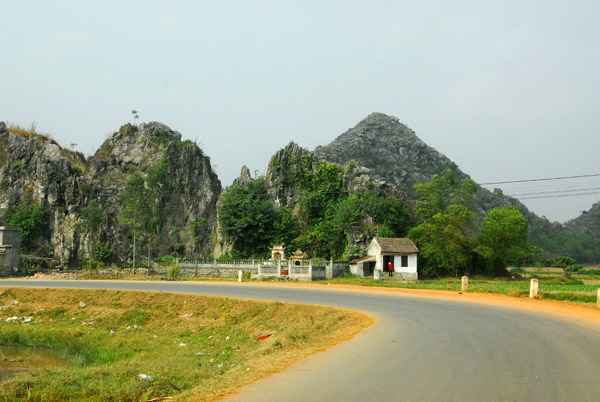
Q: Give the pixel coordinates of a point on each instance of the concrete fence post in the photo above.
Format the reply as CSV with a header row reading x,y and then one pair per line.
x,y
464,285
310,270
240,275
533,288
329,269
279,267
598,299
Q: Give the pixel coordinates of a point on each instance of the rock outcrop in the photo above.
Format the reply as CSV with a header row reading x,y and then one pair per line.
x,y
393,153
588,223
290,165
33,167
390,150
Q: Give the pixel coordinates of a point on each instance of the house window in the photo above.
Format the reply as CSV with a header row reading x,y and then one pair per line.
x,y
404,261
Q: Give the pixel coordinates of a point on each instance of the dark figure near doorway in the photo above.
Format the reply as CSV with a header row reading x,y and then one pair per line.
x,y
390,268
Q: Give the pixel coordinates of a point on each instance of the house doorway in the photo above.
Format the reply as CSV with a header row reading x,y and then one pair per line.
x,y
368,268
386,260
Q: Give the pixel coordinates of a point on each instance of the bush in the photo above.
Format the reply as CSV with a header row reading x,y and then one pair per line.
x,y
166,259
174,272
103,251
31,218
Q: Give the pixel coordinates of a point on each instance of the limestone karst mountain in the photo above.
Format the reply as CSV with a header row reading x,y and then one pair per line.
x,y
390,150
36,169
393,153
379,155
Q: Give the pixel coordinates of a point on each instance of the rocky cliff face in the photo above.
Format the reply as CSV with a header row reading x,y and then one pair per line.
x,y
393,153
390,150
35,167
289,165
588,223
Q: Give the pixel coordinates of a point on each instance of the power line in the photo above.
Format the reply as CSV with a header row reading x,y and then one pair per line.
x,y
557,195
576,190
545,179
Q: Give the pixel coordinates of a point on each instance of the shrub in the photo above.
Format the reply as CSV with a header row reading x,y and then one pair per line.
x,y
174,272
31,218
103,251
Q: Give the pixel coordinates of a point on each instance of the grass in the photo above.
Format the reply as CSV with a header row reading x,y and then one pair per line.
x,y
192,347
581,288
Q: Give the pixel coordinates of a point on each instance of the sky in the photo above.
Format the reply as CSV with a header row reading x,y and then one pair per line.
x,y
508,90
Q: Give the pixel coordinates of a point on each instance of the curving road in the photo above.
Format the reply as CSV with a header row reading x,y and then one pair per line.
x,y
420,349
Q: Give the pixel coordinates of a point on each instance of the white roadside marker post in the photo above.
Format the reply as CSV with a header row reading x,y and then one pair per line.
x,y
533,289
464,286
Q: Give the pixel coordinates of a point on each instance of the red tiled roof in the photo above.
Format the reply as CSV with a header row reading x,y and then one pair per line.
x,y
396,245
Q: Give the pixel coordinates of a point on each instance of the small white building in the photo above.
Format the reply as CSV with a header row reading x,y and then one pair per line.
x,y
401,252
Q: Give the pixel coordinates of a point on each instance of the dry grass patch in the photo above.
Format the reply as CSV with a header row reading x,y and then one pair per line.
x,y
192,347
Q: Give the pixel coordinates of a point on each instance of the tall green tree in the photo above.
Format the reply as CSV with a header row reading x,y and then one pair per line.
x,y
441,192
446,234
92,217
247,218
503,239
445,242
156,190
133,208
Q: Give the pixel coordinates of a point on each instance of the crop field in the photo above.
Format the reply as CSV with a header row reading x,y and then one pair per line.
x,y
139,346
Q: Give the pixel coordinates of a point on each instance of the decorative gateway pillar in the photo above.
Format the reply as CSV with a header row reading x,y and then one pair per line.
x,y
9,251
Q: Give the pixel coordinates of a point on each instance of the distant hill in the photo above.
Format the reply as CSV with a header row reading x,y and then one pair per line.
x,y
393,153
588,223
390,150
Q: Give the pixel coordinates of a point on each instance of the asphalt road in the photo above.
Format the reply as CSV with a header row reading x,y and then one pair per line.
x,y
420,349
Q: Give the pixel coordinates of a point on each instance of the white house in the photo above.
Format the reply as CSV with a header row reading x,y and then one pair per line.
x,y
401,252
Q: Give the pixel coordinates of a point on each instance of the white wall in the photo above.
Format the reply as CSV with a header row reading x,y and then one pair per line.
x,y
412,263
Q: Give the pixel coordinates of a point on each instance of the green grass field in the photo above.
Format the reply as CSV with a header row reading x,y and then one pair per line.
x,y
134,346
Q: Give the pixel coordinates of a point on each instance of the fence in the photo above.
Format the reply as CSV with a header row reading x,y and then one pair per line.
x,y
308,271
264,269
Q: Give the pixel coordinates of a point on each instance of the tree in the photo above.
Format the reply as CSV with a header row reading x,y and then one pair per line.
x,y
567,264
133,206
441,192
503,239
388,213
247,217
446,234
31,218
91,219
156,189
445,242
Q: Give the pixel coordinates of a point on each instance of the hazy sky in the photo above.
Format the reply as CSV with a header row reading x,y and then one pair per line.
x,y
508,90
